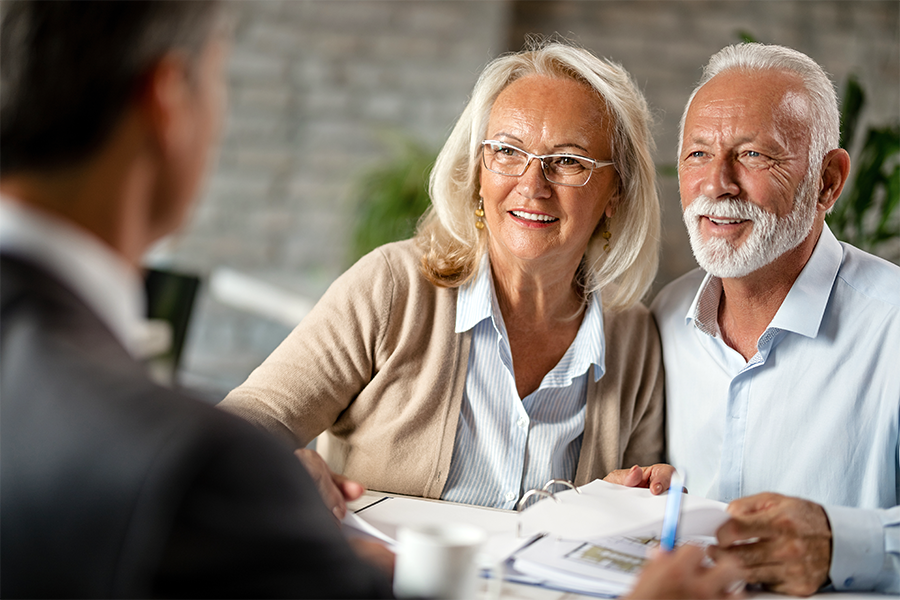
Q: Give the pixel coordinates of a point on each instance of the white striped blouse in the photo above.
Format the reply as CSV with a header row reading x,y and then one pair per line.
x,y
506,445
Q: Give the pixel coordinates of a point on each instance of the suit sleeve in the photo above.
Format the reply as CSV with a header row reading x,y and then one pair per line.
x,y
250,523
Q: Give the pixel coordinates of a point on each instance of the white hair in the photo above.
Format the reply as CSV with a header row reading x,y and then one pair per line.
x,y
824,120
453,245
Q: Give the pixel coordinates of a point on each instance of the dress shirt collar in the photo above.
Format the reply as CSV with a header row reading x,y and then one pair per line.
x,y
108,285
804,306
477,300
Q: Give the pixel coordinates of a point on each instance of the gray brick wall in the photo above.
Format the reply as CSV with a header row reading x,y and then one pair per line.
x,y
314,86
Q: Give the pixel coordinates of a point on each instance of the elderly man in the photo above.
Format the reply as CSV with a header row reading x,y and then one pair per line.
x,y
782,357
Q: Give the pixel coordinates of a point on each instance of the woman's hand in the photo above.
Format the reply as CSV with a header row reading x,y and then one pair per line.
x,y
335,489
656,477
683,574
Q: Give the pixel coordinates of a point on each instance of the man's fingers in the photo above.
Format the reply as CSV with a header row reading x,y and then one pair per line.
x,y
738,532
786,565
784,579
748,555
683,574
688,557
374,553
745,507
727,578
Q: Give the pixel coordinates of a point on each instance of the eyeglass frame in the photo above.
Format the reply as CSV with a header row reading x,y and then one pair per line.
x,y
595,164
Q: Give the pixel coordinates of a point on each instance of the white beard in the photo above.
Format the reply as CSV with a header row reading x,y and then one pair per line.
x,y
770,237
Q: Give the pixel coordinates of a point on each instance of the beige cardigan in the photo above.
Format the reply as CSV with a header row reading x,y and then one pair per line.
x,y
378,367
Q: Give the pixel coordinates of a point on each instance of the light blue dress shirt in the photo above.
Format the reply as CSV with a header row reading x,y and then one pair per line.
x,y
813,414
506,445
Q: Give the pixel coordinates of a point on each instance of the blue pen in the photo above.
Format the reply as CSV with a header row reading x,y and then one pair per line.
x,y
673,512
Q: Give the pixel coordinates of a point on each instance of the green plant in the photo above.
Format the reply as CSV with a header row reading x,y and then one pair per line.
x,y
392,196
866,214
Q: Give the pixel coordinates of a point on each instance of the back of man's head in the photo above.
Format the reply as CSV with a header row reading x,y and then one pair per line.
x,y
68,70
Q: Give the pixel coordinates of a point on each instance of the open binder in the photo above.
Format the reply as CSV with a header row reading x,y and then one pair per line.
x,y
560,537
594,539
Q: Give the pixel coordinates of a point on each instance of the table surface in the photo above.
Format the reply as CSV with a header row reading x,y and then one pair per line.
x,y
516,591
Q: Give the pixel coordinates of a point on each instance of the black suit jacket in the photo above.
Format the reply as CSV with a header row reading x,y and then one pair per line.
x,y
112,486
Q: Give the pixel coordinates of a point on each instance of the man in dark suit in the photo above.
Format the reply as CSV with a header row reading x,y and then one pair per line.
x,y
111,486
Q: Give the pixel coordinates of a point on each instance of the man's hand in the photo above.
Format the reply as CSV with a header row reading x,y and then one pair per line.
x,y
682,574
335,489
375,553
656,477
784,543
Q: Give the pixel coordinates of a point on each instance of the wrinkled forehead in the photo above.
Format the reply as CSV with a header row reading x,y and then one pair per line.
x,y
551,103
769,100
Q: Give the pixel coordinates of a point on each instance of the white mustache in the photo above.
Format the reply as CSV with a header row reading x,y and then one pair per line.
x,y
729,208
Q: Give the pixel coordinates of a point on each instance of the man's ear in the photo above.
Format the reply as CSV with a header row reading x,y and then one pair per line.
x,y
165,101
835,171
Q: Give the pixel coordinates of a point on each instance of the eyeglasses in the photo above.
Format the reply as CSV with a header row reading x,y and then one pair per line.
x,y
563,169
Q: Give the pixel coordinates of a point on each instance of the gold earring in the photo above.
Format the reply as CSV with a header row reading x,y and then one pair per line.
x,y
606,235
479,214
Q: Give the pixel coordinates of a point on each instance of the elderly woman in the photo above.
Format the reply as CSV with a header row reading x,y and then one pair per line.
x,y
504,345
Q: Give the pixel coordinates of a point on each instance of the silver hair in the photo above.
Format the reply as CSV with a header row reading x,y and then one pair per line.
x,y
824,121
453,245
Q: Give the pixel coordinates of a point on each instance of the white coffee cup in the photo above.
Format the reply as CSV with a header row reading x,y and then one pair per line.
x,y
438,561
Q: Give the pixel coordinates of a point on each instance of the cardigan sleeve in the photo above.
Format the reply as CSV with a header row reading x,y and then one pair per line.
x,y
379,366
315,373
624,417
646,442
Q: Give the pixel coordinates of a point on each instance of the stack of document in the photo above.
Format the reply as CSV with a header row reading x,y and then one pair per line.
x,y
593,541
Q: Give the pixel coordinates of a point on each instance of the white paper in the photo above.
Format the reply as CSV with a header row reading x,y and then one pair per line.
x,y
605,509
358,525
499,525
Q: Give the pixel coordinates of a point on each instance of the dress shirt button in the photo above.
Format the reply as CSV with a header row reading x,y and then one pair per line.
x,y
522,423
510,496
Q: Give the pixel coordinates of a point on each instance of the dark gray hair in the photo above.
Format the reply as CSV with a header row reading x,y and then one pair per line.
x,y
69,68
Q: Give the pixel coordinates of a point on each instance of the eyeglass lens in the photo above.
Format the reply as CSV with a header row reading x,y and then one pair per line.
x,y
565,169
